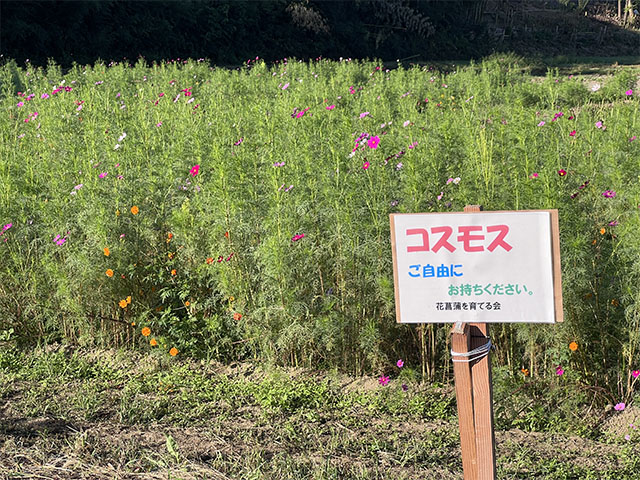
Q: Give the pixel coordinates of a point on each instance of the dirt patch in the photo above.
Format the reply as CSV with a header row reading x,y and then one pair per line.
x,y
622,423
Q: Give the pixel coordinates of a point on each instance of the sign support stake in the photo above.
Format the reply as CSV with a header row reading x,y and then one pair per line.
x,y
474,396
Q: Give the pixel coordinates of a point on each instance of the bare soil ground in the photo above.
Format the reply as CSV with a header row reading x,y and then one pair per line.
x,y
51,440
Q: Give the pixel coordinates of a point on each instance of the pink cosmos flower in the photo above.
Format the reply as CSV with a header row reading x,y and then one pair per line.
x,y
619,406
562,172
636,373
103,174
383,380
194,170
629,92
534,175
159,124
573,133
373,142
609,194
286,85
331,107
365,166
632,138
559,370
598,124
364,114
400,363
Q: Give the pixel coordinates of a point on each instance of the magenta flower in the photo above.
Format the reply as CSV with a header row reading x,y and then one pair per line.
x,y
295,238
619,406
383,380
404,387
573,133
559,370
364,114
159,124
20,104
613,223
373,142
632,138
629,92
562,172
194,170
609,194
103,174
331,107
541,124
534,175
239,141
598,124
636,373
365,166
286,85
400,363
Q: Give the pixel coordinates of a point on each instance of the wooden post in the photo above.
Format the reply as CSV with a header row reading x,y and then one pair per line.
x,y
483,404
475,398
461,343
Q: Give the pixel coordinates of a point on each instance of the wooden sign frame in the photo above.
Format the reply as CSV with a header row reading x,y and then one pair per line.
x,y
473,374
555,259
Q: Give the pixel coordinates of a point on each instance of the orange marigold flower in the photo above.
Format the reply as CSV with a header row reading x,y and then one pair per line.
x,y
170,255
226,234
133,324
237,316
602,231
135,210
173,272
187,303
106,251
615,302
525,371
123,304
173,352
210,260
153,342
146,331
169,237
109,273
573,346
128,299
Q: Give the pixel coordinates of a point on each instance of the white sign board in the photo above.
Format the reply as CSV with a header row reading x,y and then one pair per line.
x,y
485,267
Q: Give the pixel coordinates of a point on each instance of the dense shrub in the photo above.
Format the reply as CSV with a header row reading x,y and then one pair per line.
x,y
245,212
